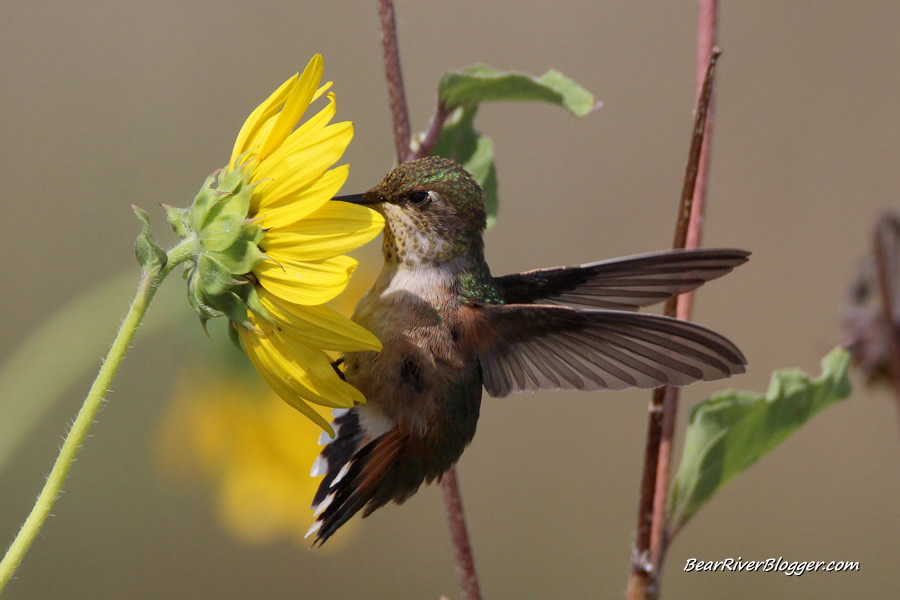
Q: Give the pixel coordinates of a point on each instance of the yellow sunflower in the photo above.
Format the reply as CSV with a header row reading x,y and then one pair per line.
x,y
271,245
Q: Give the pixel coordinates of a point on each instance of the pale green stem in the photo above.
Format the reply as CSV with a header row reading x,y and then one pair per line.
x,y
92,403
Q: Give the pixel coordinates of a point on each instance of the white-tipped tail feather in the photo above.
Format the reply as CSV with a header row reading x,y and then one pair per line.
x,y
319,508
314,528
341,474
319,467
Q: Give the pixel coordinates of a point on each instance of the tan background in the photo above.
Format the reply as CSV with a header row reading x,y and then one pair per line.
x,y
105,104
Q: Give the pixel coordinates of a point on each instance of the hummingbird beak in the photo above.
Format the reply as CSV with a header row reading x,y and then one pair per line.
x,y
357,199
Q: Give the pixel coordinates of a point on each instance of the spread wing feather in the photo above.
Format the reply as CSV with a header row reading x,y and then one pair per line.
x,y
622,283
534,347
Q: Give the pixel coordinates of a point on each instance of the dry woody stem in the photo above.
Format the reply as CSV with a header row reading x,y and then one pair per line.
x,y
887,232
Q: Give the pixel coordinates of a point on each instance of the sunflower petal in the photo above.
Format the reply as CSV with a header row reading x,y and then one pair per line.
x,y
324,88
336,228
296,104
303,167
319,326
306,201
304,238
297,140
262,113
306,283
297,372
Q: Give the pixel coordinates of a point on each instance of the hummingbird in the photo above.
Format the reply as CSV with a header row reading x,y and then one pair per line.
x,y
450,328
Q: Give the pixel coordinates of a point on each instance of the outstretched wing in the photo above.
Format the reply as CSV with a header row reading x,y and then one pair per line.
x,y
622,283
532,347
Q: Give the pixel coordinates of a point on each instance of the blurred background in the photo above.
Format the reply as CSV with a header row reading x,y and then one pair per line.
x,y
183,491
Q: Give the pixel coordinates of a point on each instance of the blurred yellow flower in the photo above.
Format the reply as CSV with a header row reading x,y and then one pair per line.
x,y
223,427
232,432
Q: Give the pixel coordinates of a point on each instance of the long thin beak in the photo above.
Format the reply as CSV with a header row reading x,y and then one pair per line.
x,y
353,199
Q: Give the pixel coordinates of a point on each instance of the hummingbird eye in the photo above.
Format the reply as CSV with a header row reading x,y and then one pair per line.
x,y
420,197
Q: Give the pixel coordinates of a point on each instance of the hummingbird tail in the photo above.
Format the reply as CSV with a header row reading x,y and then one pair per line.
x,y
336,454
369,478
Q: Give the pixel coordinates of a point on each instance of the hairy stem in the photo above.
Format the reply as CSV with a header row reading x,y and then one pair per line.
x,y
652,541
86,415
394,78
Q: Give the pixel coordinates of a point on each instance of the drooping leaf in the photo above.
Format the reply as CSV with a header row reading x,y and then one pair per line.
x,y
472,150
481,83
731,430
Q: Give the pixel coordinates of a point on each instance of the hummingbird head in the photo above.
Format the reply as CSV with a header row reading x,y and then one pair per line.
x,y
433,210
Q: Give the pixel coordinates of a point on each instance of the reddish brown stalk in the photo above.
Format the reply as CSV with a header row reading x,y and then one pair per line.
x,y
433,132
684,305
651,541
394,77
465,564
707,21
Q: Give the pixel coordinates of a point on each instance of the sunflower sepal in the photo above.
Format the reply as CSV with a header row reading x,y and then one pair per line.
x,y
231,182
226,246
232,306
215,278
241,256
254,303
196,299
203,201
151,257
235,337
216,292
219,212
176,218
222,232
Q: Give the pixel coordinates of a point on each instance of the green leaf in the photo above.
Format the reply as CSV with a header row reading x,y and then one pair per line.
x,y
731,430
462,91
150,256
474,151
482,83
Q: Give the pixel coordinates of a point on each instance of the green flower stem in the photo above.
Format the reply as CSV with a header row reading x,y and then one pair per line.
x,y
74,439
